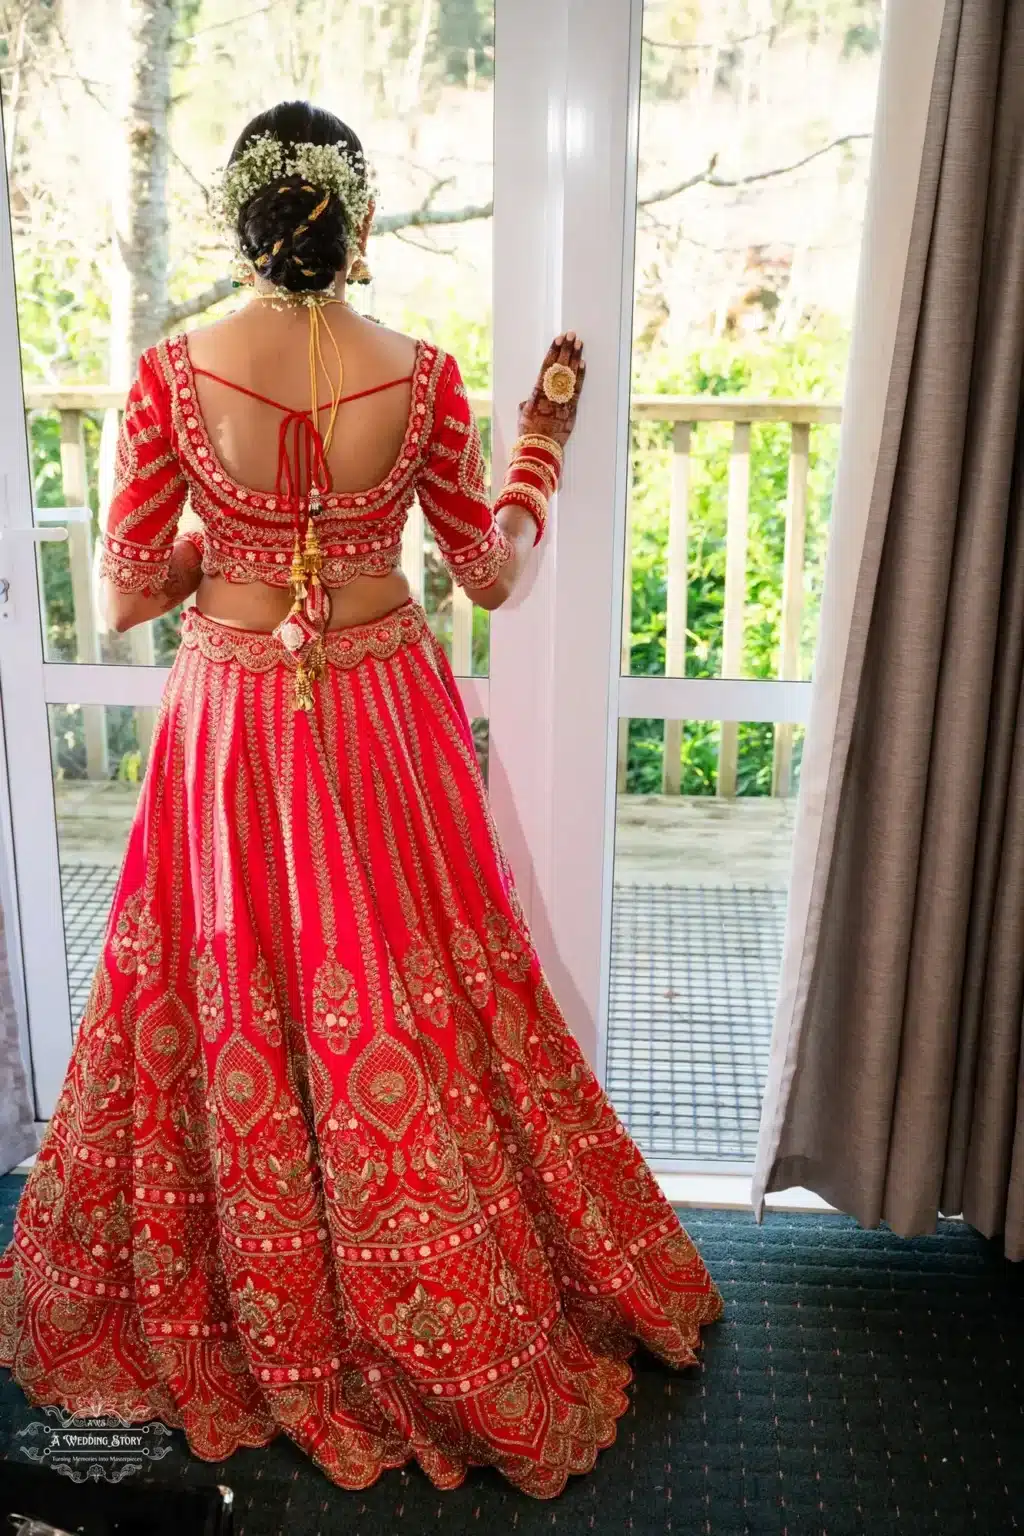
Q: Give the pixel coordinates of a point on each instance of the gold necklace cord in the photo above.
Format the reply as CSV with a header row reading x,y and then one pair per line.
x,y
316,361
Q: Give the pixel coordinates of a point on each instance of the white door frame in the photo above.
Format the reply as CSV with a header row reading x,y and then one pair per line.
x,y
566,112
566,151
566,119
34,920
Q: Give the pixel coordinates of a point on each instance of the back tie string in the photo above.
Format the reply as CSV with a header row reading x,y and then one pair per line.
x,y
303,461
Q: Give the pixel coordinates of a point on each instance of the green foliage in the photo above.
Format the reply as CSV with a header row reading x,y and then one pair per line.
x,y
464,41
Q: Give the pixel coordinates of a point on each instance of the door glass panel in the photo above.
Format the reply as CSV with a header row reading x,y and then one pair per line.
x,y
754,138
743,301
417,81
99,756
699,904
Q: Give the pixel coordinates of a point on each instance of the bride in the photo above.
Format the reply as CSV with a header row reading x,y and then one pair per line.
x,y
327,1160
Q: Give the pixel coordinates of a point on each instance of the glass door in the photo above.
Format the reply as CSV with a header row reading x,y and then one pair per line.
x,y
106,245
754,123
682,184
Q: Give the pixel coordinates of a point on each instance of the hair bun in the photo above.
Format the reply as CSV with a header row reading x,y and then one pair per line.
x,y
296,235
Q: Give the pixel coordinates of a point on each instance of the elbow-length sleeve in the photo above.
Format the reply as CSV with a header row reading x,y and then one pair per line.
x,y
149,489
452,489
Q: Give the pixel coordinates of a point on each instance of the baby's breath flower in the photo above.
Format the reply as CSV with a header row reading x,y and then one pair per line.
x,y
328,167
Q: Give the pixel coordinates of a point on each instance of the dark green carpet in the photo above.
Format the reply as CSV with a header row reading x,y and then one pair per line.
x,y
857,1383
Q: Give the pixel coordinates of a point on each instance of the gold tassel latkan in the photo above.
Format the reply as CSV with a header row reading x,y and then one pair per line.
x,y
298,573
303,688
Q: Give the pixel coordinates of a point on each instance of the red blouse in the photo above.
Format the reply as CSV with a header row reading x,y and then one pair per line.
x,y
165,454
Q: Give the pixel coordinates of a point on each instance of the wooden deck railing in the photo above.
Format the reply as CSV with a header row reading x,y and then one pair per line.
x,y
685,413
72,404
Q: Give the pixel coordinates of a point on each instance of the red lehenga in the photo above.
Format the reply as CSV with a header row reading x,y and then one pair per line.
x,y
327,1160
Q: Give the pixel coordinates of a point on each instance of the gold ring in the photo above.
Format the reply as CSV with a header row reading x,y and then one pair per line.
x,y
559,383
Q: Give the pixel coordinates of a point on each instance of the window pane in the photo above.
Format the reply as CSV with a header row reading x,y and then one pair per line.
x,y
698,910
99,756
94,286
754,136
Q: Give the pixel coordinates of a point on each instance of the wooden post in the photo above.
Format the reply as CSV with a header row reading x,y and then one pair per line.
x,y
105,495
625,645
413,545
462,633
792,599
735,595
676,595
76,494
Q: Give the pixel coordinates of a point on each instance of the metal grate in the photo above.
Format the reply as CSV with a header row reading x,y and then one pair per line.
x,y
87,891
694,973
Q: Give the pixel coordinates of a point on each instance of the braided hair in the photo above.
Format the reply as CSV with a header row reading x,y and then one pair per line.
x,y
296,235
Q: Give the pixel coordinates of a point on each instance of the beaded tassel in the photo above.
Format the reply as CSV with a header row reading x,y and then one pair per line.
x,y
302,632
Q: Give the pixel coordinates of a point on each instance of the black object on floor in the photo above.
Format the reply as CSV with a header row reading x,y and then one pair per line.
x,y
858,1383
98,1508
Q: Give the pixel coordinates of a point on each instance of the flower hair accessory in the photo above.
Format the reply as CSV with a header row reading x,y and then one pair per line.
x,y
328,167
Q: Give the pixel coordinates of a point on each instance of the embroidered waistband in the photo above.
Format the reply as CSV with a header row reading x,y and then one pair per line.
x,y
258,651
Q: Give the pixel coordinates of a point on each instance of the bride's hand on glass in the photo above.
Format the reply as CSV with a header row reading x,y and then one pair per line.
x,y
552,418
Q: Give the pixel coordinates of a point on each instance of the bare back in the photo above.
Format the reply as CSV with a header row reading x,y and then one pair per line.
x,y
266,351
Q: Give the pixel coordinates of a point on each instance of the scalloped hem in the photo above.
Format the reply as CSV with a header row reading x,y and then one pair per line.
x,y
444,1473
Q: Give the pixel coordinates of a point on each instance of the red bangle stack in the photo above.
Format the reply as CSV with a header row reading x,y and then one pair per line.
x,y
532,479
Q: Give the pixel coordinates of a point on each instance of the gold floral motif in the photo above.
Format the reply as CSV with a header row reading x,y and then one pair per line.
x,y
509,954
69,1314
261,1311
426,985
101,997
355,1164
510,1025
436,1158
154,1259
429,1323
471,1042
135,942
400,998
209,997
44,1185
471,961
105,1229
512,1399
335,1006
266,1016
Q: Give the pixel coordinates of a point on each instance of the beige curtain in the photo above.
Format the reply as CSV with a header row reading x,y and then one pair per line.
x,y
895,1085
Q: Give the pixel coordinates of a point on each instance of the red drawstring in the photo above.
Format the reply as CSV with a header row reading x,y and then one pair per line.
x,y
306,443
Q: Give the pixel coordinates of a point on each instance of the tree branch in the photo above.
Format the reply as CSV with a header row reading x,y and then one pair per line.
x,y
419,218
425,216
728,42
708,178
199,302
232,21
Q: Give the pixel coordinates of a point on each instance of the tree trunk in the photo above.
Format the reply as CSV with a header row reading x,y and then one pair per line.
x,y
16,65
139,298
